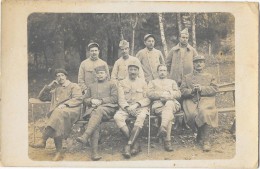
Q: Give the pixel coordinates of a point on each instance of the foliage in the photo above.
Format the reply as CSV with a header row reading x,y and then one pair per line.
x,y
60,39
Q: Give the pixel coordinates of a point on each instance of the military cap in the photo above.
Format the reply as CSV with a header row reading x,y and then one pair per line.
x,y
198,57
123,44
91,45
60,71
185,31
101,68
147,36
133,63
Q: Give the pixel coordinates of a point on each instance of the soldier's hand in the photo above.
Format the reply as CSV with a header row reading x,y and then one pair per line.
x,y
132,109
52,83
165,96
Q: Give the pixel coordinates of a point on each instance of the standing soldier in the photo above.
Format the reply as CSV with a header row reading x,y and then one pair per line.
x,y
64,111
120,69
133,103
179,60
179,63
101,98
150,58
86,74
198,90
164,92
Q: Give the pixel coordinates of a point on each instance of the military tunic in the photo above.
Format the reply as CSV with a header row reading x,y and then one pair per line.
x,y
129,93
180,62
120,69
200,107
150,61
62,120
105,91
86,74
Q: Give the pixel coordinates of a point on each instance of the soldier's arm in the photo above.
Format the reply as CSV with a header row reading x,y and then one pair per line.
x,y
146,101
175,93
113,98
87,97
121,97
186,92
141,71
152,93
114,72
162,58
81,78
210,90
76,97
107,69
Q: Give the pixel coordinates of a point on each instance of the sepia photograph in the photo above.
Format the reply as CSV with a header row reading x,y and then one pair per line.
x,y
117,84
131,86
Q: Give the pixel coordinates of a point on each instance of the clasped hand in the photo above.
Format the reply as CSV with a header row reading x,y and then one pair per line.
x,y
132,109
96,102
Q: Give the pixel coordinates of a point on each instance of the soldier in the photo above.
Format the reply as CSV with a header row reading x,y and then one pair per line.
x,y
179,60
86,74
101,99
164,92
198,91
120,69
64,111
150,58
179,63
133,103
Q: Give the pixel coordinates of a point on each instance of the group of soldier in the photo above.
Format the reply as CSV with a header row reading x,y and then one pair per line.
x,y
138,86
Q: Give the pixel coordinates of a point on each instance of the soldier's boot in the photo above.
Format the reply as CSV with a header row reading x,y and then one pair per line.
x,y
48,132
167,140
205,137
59,154
133,136
94,145
125,131
136,148
199,135
93,124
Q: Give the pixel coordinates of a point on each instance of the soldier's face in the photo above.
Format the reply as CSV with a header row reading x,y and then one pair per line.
x,y
124,51
94,52
199,65
184,38
162,72
61,78
101,75
149,43
133,72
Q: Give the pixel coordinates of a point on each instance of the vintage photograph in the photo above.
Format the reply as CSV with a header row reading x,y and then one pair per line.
x,y
131,86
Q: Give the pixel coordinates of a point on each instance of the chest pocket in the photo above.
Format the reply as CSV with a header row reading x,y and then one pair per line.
x,y
139,94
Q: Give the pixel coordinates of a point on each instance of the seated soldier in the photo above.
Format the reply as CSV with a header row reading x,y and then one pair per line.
x,y
64,111
133,103
101,99
164,92
198,90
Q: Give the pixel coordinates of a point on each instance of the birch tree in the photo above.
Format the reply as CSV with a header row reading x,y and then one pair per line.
x,y
162,34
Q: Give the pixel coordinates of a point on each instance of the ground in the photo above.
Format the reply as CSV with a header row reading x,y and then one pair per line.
x,y
112,141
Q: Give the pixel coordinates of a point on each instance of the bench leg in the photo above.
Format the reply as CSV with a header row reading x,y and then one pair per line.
x,y
33,124
149,135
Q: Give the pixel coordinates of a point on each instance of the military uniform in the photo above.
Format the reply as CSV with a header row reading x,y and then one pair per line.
x,y
130,92
86,74
106,92
120,69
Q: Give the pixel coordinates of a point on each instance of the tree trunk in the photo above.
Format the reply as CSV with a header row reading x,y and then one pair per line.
x,y
120,27
109,49
193,28
134,24
162,34
179,22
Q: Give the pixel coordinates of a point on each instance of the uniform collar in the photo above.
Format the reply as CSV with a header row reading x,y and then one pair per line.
x,y
149,50
178,47
67,82
196,72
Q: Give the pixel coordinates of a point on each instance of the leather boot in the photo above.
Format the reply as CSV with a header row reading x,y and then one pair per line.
x,y
162,133
199,137
58,144
136,148
93,124
94,145
168,145
48,132
205,137
133,136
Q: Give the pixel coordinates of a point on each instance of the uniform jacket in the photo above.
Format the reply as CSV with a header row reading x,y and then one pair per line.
x,y
106,91
86,74
180,65
131,92
150,61
70,95
120,69
205,111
